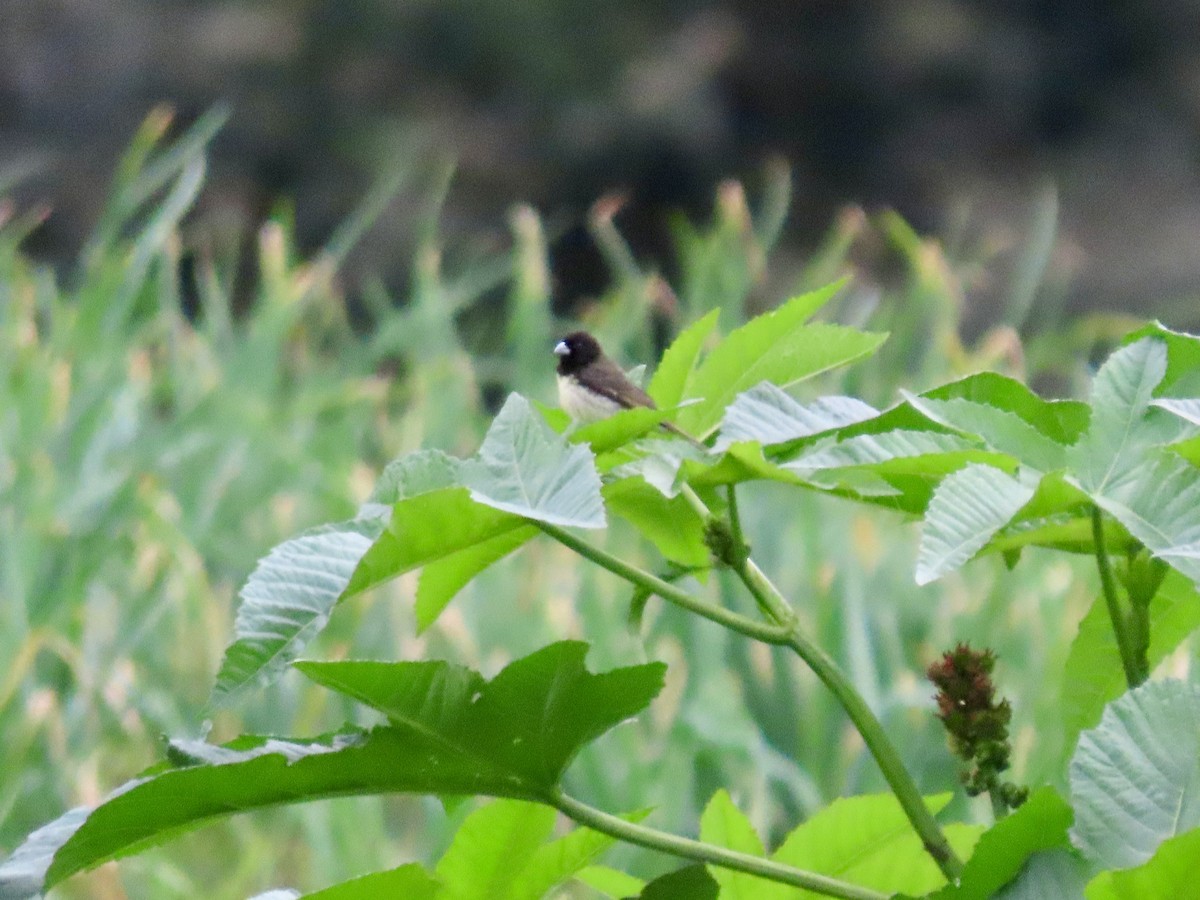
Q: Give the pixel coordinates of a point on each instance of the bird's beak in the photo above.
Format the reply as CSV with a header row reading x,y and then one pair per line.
x,y
561,349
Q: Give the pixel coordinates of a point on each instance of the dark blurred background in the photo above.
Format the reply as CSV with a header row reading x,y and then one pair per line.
x,y
963,116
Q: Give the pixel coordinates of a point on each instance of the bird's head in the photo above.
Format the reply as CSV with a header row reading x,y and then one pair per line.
x,y
576,350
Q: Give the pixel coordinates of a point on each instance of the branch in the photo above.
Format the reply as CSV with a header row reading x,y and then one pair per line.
x,y
641,835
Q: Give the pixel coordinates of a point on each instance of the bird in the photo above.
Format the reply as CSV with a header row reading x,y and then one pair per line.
x,y
592,387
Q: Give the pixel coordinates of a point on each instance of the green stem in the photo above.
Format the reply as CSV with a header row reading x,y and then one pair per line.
x,y
787,633
880,746
884,752
641,835
1129,661
752,628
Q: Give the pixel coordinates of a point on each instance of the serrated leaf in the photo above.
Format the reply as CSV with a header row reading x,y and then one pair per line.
x,y
1135,778
1188,410
1059,874
967,508
670,523
1093,675
726,826
536,713
413,474
1123,426
1062,421
287,601
491,848
441,581
610,882
409,881
776,347
769,415
452,734
1159,503
525,468
868,840
428,528
671,379
998,428
1039,824
1173,871
878,449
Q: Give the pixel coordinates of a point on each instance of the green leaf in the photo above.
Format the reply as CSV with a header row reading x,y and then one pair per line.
x,y
768,415
416,473
1159,503
1039,824
532,718
868,840
725,825
1123,425
620,428
1173,871
525,468
776,347
967,508
492,848
1000,429
451,733
1093,675
22,875
610,882
1135,778
692,882
670,523
555,862
1062,421
1183,351
428,528
287,601
1060,874
441,580
671,379
879,449
1188,410
409,881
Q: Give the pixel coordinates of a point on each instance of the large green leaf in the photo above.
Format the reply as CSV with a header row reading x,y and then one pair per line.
x,y
426,529
1062,421
1000,429
491,849
868,840
450,733
724,825
1039,824
409,881
1159,503
967,508
672,378
778,347
1173,872
525,468
1135,778
531,719
441,580
670,523
1057,874
1124,426
1093,675
287,601
769,415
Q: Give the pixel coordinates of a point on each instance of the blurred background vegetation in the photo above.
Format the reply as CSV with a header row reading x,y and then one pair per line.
x,y
216,335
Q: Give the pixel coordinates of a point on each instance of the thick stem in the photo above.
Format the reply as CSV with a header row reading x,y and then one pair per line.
x,y
788,634
1120,624
884,752
633,833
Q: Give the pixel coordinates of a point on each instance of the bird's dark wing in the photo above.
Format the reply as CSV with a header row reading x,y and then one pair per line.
x,y
606,378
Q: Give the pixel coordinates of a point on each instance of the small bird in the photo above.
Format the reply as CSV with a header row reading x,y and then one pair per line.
x,y
592,387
